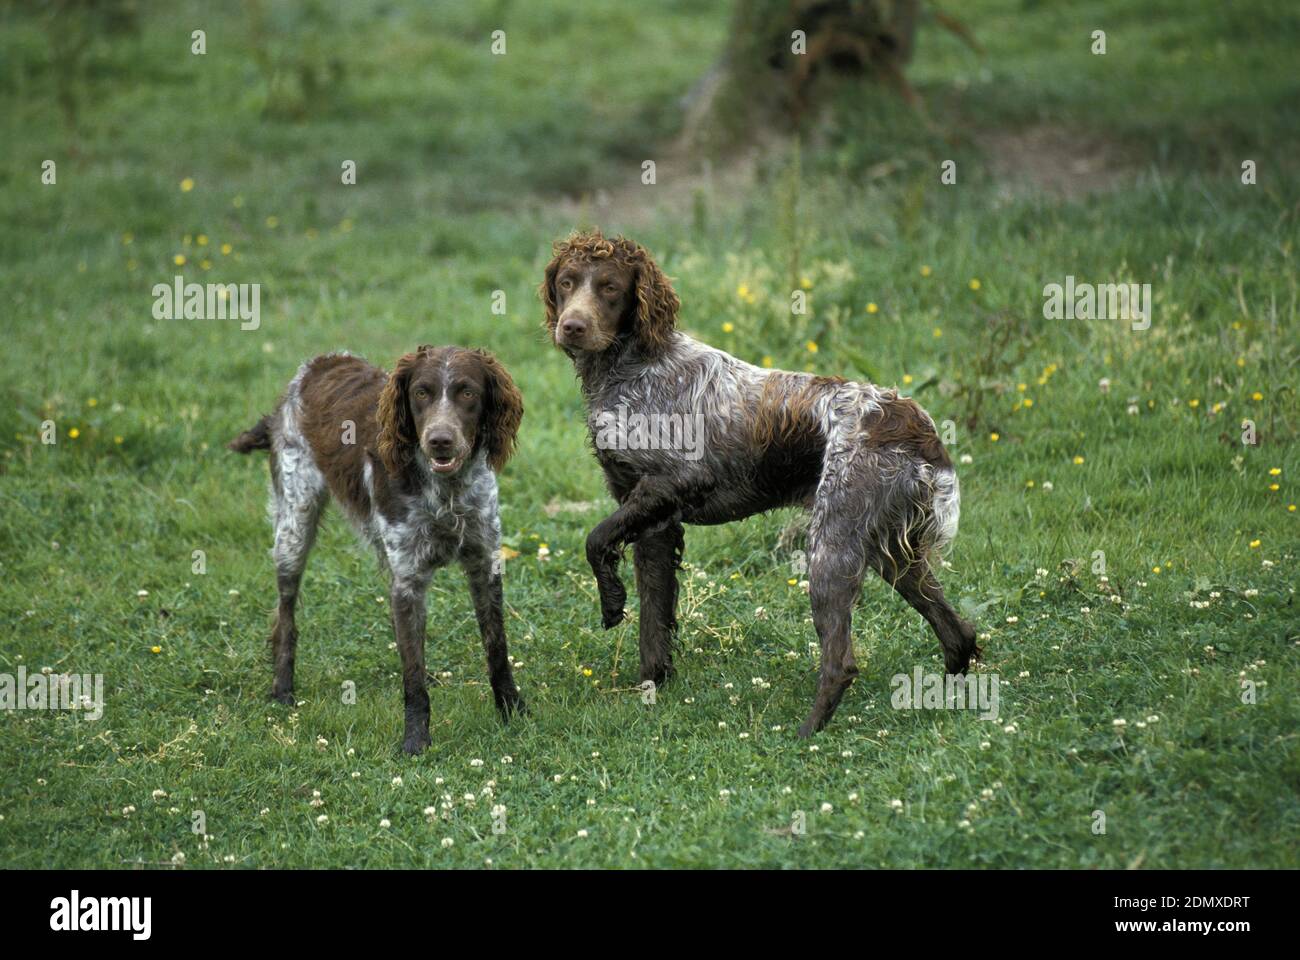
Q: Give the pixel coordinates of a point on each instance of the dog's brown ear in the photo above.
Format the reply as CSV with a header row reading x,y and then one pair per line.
x,y
396,428
656,304
502,413
546,292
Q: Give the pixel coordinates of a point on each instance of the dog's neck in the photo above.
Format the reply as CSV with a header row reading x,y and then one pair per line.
x,y
623,360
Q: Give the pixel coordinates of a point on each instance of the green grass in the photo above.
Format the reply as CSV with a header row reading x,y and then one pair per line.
x,y
468,166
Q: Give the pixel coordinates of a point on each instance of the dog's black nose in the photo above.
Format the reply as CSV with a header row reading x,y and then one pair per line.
x,y
573,327
440,442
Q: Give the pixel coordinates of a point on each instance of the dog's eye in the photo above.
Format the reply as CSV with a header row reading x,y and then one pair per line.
x,y
468,394
611,290
421,393
566,284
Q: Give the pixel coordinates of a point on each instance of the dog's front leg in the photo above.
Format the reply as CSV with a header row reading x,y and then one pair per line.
x,y
482,570
407,600
652,502
658,557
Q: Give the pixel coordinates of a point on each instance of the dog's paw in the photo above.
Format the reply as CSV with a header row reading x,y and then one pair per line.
x,y
659,674
815,723
284,696
612,599
511,706
415,742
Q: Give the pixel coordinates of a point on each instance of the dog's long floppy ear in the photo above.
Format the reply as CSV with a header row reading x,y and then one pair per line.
x,y
546,292
396,437
656,303
502,413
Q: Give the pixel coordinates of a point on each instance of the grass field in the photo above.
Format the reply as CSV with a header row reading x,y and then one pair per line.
x,y
1162,694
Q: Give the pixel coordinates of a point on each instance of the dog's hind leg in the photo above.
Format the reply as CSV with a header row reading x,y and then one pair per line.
x,y
298,495
836,566
917,584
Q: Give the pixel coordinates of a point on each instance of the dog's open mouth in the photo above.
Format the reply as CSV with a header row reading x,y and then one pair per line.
x,y
444,464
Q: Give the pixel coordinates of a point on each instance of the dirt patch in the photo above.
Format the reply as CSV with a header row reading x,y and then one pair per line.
x,y
1053,160
684,181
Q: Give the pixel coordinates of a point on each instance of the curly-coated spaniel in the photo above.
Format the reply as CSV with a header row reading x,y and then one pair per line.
x,y
411,458
689,434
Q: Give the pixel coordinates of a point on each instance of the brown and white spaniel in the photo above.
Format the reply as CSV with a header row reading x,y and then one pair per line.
x,y
411,458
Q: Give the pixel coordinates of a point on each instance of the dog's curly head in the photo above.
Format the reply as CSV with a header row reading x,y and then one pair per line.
x,y
597,288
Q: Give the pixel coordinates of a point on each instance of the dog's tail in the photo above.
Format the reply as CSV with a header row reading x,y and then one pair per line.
x,y
258,437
